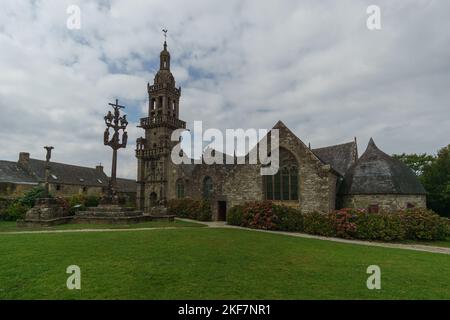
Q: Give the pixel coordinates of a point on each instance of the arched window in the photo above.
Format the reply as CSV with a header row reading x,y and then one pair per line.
x,y
180,189
207,187
284,184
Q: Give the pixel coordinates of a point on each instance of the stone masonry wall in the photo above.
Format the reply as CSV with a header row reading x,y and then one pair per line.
x,y
386,202
317,182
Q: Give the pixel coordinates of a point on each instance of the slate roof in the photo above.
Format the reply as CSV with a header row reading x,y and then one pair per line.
x,y
126,185
60,173
68,174
340,156
11,172
378,173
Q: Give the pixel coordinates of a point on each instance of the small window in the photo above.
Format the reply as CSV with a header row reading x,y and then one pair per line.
x,y
410,205
374,208
84,189
54,177
81,180
58,187
180,189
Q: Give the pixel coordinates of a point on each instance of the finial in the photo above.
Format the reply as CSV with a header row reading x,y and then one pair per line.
x,y
165,38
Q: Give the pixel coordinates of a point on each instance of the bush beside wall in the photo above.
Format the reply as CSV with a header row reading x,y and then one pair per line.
x,y
191,209
411,224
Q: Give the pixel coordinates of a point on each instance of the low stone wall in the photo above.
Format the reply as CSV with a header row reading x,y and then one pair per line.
x,y
388,202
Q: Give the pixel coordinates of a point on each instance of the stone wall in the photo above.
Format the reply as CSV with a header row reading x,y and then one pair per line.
x,y
386,202
243,184
14,190
67,190
317,181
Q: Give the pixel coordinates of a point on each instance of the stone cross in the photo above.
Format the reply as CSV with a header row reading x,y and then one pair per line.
x,y
116,122
47,170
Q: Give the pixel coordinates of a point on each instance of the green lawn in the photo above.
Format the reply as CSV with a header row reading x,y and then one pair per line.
x,y
7,226
206,263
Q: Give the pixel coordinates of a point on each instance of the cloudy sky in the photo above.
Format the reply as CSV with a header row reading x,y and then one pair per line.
x,y
241,64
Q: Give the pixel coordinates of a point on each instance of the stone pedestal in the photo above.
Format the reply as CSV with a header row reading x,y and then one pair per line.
x,y
116,214
46,212
45,209
109,210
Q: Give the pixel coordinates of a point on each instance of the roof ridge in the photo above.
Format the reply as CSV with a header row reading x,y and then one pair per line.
x,y
336,145
65,164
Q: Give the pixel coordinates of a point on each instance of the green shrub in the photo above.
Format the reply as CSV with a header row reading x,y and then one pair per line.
x,y
234,215
289,219
29,197
191,209
79,202
15,211
92,201
259,215
319,224
380,226
204,211
344,223
423,224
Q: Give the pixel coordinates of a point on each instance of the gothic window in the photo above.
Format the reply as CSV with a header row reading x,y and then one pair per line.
x,y
284,184
207,187
294,183
180,189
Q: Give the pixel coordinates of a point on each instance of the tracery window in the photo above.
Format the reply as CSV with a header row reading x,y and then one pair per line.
x,y
207,187
284,184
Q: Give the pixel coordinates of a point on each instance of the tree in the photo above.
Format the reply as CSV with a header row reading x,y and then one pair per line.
x,y
436,181
416,162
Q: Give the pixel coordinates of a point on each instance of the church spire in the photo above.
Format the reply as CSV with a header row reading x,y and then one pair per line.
x,y
165,55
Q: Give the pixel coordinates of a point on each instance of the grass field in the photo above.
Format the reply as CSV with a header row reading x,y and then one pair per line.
x,y
205,263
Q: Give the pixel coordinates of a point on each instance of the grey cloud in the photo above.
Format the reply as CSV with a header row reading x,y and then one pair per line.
x,y
312,64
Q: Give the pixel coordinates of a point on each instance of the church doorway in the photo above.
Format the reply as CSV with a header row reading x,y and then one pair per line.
x,y
221,211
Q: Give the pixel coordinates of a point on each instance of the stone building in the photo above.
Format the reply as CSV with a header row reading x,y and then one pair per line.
x,y
378,181
65,179
311,179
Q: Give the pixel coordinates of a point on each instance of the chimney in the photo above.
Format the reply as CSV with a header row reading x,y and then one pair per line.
x,y
24,158
99,168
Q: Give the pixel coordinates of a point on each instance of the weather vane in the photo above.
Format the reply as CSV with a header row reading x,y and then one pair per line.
x,y
165,34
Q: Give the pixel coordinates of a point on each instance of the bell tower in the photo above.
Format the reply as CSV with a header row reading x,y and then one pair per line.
x,y
153,151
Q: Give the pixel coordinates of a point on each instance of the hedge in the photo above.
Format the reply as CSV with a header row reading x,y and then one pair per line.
x,y
410,224
189,208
